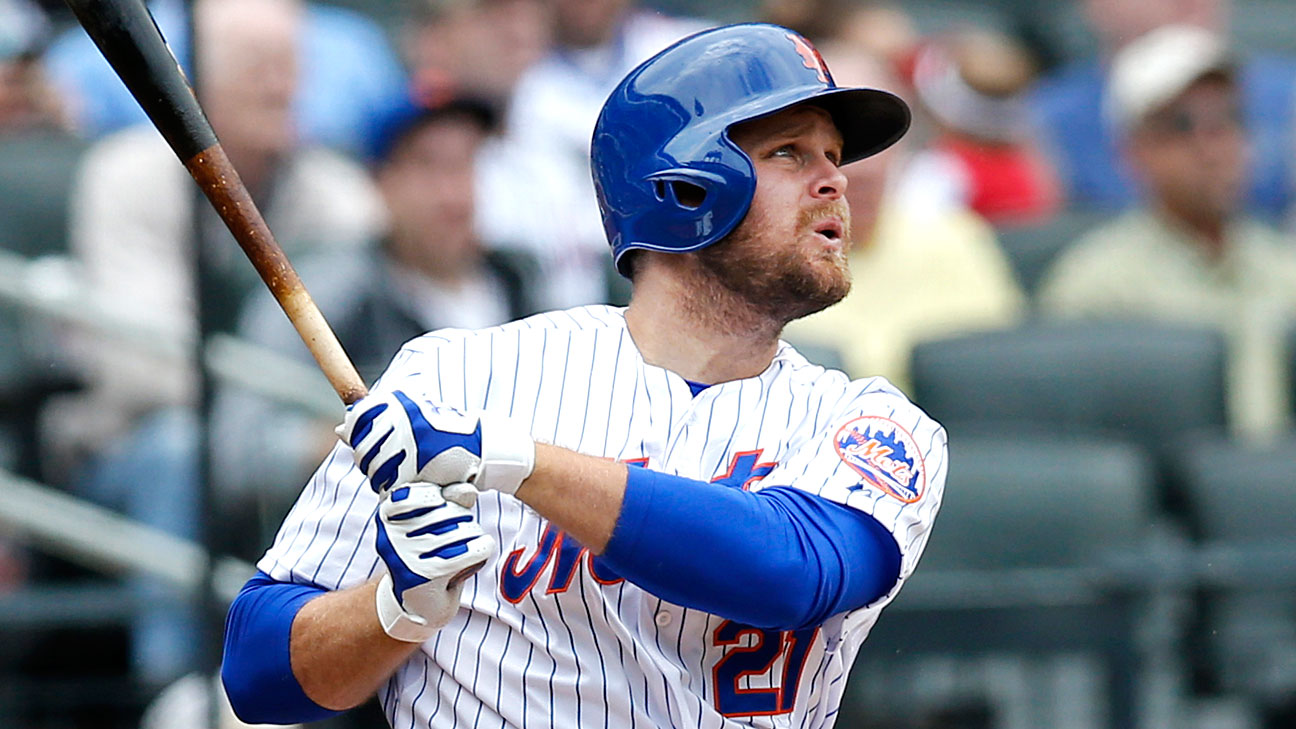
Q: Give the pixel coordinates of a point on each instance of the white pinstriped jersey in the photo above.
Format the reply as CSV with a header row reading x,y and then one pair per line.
x,y
549,636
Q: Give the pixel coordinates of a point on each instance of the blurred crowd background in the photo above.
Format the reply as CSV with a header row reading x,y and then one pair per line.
x,y
1082,260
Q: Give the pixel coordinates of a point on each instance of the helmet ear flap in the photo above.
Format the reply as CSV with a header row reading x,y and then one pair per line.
x,y
693,207
681,193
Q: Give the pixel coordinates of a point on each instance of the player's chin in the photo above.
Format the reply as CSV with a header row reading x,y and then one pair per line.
x,y
836,283
819,284
832,272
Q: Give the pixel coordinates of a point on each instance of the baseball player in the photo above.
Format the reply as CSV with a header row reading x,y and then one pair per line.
x,y
656,516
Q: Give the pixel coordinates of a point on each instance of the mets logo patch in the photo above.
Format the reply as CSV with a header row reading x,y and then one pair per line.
x,y
885,454
810,58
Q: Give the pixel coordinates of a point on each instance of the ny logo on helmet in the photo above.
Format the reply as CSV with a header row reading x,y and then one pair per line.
x,y
811,57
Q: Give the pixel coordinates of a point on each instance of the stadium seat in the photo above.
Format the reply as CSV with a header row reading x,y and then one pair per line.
x,y
1029,558
1040,501
1243,502
1141,381
1031,248
1290,347
36,171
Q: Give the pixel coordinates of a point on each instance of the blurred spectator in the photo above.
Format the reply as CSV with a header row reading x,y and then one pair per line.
x,y
818,20
132,228
27,99
984,154
429,272
1188,253
537,192
449,39
349,74
916,274
1069,101
883,29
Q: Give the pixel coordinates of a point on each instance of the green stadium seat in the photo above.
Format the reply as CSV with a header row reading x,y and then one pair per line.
x,y
1032,248
36,172
1243,503
1142,381
1030,558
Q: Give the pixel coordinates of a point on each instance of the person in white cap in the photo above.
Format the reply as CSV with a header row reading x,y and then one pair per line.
x,y
1187,253
1068,110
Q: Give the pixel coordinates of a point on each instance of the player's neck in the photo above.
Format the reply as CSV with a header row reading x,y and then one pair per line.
x,y
698,331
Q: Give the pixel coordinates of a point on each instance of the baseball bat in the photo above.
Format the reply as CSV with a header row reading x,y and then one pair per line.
x,y
128,37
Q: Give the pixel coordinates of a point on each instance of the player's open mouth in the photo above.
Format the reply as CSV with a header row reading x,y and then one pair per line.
x,y
832,228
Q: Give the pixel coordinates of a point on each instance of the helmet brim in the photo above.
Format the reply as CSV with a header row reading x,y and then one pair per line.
x,y
870,120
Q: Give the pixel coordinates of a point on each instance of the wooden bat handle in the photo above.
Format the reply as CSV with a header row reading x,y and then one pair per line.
x,y
220,182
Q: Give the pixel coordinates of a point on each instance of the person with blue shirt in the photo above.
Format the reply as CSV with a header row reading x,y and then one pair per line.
x,y
350,75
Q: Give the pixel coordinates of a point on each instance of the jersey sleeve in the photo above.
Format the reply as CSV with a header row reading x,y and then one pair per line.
x,y
882,455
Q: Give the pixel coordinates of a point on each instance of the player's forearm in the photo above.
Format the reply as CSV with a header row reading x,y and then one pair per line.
x,y
340,654
296,653
581,494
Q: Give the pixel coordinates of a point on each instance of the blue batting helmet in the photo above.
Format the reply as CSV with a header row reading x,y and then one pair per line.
x,y
668,177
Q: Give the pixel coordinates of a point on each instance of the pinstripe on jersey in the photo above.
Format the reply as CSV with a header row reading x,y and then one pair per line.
x,y
547,638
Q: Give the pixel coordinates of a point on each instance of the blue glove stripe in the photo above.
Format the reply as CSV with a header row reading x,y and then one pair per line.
x,y
432,442
443,527
403,578
415,513
387,472
453,549
365,422
373,452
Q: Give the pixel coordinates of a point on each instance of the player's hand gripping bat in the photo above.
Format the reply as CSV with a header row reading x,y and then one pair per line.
x,y
127,36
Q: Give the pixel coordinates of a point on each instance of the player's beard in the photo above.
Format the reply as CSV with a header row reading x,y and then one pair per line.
x,y
782,280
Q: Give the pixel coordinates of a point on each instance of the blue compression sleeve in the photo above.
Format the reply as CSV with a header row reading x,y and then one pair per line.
x,y
780,558
256,670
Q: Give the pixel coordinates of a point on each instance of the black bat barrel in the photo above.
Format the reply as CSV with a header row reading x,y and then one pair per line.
x,y
129,38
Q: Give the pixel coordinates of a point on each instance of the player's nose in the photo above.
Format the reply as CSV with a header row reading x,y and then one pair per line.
x,y
829,182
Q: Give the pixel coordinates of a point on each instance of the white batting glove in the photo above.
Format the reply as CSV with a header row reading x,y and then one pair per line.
x,y
398,439
431,543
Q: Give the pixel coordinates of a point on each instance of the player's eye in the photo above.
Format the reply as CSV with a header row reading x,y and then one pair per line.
x,y
786,150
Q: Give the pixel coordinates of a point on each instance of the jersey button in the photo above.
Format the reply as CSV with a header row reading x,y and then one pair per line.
x,y
663,619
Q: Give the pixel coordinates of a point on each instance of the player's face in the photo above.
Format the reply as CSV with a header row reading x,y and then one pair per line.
x,y
788,256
